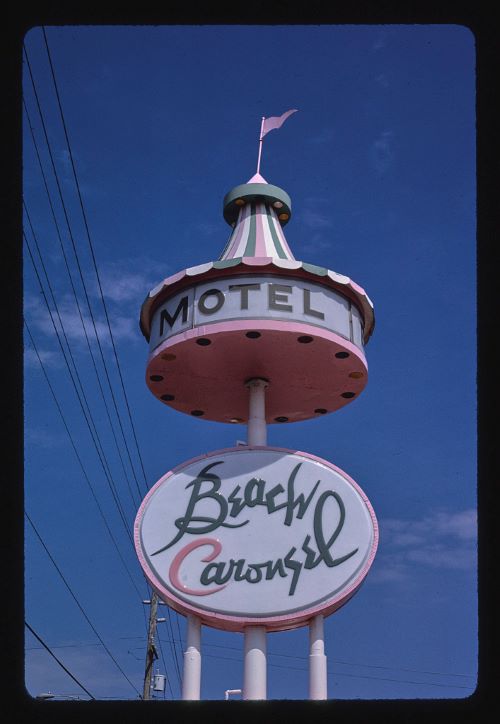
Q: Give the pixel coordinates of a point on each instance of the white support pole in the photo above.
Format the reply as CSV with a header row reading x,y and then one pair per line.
x,y
191,680
255,663
317,659
257,428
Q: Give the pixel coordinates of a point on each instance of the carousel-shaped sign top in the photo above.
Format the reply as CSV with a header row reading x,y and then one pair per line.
x,y
257,312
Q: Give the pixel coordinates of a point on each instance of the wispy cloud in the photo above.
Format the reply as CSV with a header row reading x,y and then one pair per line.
x,y
129,280
382,152
438,524
315,220
94,667
441,540
125,284
313,215
48,357
208,228
124,326
314,243
323,137
64,159
382,80
380,41
317,224
40,437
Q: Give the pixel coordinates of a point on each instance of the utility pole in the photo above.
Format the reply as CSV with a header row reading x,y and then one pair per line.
x,y
151,654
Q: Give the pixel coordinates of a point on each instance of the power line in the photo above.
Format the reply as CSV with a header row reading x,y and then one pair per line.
x,y
101,457
77,601
56,659
164,662
377,666
79,268
69,347
82,645
74,293
338,661
354,676
171,641
79,458
63,330
92,252
94,261
165,665
173,647
73,244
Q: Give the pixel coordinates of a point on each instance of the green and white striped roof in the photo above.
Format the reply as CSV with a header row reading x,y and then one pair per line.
x,y
257,212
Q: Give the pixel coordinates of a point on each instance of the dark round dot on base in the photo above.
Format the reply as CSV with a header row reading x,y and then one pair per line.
x,y
320,411
197,413
253,335
341,355
305,339
281,419
348,394
167,398
156,378
203,342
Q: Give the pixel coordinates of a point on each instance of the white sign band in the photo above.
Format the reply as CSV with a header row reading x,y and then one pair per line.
x,y
257,297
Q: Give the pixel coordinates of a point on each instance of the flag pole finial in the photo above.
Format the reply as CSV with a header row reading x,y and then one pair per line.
x,y
260,143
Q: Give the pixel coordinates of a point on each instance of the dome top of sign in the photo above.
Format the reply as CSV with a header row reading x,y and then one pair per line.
x,y
257,312
257,211
255,190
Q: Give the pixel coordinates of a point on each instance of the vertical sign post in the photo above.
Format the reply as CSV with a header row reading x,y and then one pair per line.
x,y
255,661
317,659
256,539
191,680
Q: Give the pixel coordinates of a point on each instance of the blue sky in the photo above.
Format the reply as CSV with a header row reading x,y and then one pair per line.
x,y
380,166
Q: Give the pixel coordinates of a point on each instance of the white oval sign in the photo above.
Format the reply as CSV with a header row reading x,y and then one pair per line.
x,y
262,536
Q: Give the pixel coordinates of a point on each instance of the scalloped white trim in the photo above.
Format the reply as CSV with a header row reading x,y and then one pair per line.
x,y
287,263
340,278
194,271
200,269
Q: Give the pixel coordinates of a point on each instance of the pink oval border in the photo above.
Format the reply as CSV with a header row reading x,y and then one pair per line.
x,y
271,623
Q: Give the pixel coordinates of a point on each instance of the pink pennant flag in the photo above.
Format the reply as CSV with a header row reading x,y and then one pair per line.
x,y
270,124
